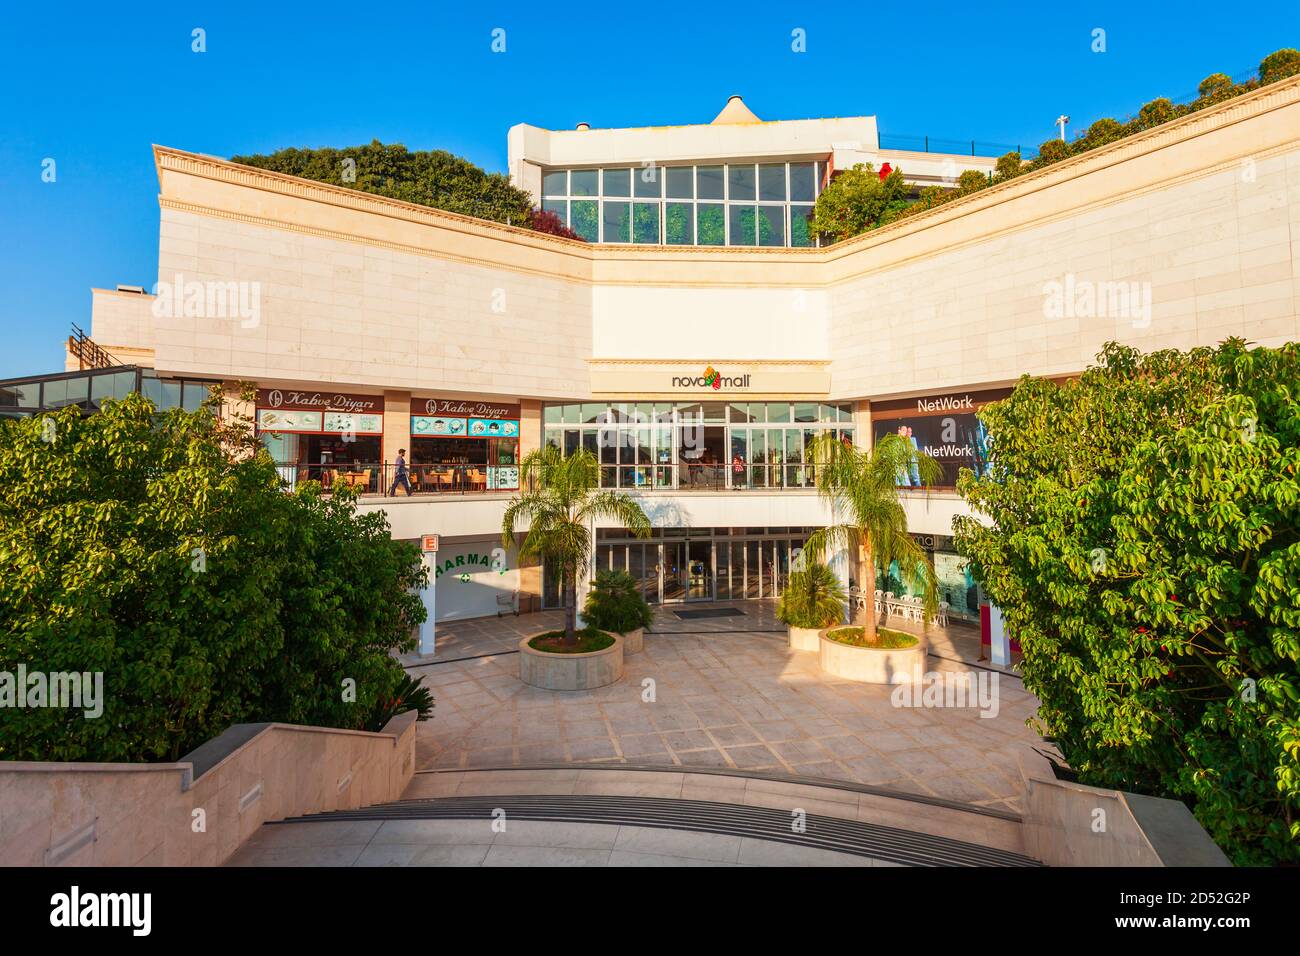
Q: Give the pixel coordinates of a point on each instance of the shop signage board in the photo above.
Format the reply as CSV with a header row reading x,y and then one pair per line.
x,y
945,426
463,408
301,410
429,543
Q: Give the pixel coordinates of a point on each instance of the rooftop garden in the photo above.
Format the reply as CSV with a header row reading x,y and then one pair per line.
x,y
860,199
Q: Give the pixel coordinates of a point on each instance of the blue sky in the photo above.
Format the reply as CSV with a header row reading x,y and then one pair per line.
x,y
92,86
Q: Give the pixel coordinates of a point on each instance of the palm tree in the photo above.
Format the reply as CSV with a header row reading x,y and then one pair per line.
x,y
560,497
861,488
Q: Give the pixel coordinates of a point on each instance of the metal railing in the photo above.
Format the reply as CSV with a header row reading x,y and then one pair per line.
x,y
715,477
89,354
380,478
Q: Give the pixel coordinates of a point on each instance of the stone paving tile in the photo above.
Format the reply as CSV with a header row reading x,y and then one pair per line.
x,y
722,687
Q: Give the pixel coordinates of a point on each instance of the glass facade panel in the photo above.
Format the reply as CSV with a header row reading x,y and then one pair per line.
x,y
710,225
741,221
616,222
740,182
616,182
771,225
678,224
649,182
586,221
709,182
803,182
585,182
680,182
771,183
645,223
800,226
555,183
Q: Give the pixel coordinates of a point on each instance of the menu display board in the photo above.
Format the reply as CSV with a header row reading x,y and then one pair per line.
x,y
356,424
279,420
493,428
436,425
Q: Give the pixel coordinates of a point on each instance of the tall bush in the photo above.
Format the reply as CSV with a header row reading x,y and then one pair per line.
x,y
1144,546
162,552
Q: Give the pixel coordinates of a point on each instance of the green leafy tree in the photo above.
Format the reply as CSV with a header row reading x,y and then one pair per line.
x,y
429,177
162,552
812,597
559,501
1143,545
1215,87
1009,165
1101,132
862,490
856,200
971,180
615,603
1279,65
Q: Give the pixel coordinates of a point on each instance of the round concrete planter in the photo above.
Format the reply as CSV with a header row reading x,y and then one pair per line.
x,y
570,671
804,638
873,665
633,641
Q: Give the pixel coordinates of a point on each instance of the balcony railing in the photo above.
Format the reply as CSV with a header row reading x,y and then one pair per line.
x,y
378,478
717,477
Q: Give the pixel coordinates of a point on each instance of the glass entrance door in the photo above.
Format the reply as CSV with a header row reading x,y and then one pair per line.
x,y
675,571
700,571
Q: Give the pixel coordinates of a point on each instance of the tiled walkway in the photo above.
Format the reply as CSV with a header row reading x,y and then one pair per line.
x,y
720,692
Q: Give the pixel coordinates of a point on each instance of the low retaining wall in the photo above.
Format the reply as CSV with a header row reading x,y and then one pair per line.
x,y
1072,824
873,665
197,811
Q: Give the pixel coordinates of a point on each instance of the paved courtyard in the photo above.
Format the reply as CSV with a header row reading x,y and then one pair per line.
x,y
722,692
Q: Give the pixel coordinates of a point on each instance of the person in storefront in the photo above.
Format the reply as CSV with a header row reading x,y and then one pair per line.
x,y
400,475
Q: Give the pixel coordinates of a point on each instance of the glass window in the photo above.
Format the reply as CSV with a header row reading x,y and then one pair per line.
x,y
555,183
677,223
646,223
593,412
584,219
679,181
805,411
21,396
846,412
710,225
708,182
828,413
193,395
739,412
771,182
616,218
778,412
803,182
552,414
740,182
649,182
771,225
66,391
583,182
800,230
741,220
163,393
558,206
616,182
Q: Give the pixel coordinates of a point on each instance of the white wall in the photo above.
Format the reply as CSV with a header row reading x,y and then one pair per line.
x,y
655,322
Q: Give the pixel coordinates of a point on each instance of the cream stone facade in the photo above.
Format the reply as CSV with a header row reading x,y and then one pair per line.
x,y
1178,237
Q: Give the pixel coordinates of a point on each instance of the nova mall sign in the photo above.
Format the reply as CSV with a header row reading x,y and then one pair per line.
x,y
618,379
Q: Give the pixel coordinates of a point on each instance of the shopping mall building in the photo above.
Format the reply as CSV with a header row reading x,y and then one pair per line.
x,y
700,340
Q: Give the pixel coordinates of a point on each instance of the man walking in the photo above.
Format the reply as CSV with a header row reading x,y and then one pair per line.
x,y
400,476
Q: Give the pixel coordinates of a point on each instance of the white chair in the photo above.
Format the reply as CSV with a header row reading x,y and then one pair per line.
x,y
891,607
877,602
942,617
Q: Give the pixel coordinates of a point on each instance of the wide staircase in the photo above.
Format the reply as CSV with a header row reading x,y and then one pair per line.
x,y
568,814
